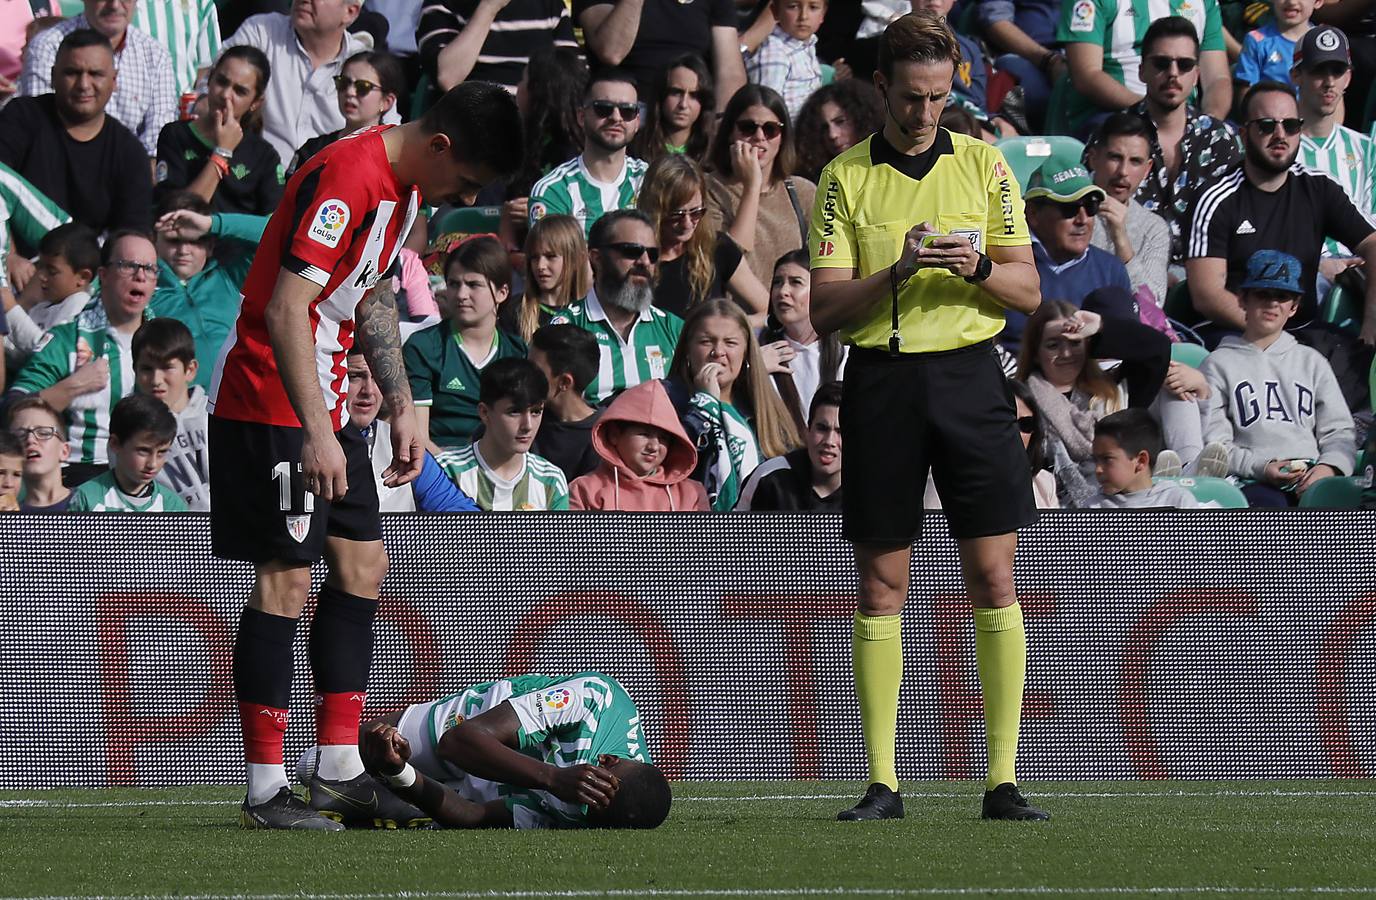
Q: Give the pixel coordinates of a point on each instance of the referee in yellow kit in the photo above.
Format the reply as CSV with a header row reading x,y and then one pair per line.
x,y
918,246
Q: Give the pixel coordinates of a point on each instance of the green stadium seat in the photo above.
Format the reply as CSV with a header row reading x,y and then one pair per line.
x,y
1026,154
828,73
470,220
1178,307
1189,354
1057,114
420,97
1220,490
1342,308
1333,493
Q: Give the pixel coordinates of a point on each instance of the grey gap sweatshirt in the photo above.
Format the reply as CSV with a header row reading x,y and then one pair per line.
x,y
1160,494
1279,403
187,470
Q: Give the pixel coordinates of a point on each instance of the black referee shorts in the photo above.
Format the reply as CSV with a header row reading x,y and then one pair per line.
x,y
260,510
950,412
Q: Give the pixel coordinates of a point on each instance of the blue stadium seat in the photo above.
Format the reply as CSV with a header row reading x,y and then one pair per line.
x,y
1333,493
1026,154
1220,490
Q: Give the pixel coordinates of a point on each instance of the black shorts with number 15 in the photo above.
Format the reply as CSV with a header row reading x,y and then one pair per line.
x,y
260,510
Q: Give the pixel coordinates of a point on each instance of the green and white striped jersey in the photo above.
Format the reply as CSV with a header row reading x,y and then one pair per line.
x,y
541,484
25,212
1348,156
645,356
570,189
103,494
564,721
737,450
189,30
66,348
1118,27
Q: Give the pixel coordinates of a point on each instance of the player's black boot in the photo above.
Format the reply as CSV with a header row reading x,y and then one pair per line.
x,y
1006,803
878,803
285,810
363,802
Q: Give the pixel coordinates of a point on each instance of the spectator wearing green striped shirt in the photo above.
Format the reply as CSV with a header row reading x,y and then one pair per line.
x,y
85,367
498,470
27,214
1322,73
142,429
604,177
189,30
635,339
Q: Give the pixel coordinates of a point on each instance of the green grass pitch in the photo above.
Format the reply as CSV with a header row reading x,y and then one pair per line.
x,y
743,839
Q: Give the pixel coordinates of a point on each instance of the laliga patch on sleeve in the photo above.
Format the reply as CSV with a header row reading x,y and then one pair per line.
x,y
538,210
329,222
1082,16
161,171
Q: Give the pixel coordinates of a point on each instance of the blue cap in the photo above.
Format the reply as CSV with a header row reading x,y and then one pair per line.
x,y
1272,270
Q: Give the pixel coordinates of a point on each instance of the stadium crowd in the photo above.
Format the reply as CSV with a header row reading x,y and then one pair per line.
x,y
625,325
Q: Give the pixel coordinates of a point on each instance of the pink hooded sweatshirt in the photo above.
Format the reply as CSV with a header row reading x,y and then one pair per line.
x,y
614,487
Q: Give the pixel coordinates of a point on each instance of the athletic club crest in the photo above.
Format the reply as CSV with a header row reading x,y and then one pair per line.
x,y
298,527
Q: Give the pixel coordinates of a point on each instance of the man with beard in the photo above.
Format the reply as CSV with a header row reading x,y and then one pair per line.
x,y
1271,202
603,177
635,339
1188,149
1119,159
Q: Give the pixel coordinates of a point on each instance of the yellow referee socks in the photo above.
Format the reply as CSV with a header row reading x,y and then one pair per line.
x,y
1001,653
877,652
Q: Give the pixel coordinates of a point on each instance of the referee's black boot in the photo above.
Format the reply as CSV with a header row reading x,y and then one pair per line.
x,y
878,803
1006,803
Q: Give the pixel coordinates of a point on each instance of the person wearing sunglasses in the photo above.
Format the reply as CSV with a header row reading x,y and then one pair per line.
x,y
367,87
1189,149
637,338
1106,71
86,366
42,434
695,264
604,177
306,48
220,154
1269,203
1062,204
752,193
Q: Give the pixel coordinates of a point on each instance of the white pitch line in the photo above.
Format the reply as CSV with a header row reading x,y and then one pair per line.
x,y
1035,891
925,795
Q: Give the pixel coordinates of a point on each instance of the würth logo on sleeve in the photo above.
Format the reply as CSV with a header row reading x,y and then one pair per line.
x,y
826,248
329,222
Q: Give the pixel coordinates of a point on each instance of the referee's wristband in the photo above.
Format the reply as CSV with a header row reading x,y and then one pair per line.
x,y
403,779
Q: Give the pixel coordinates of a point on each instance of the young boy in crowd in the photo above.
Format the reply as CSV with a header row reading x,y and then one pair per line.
x,y
1125,448
11,471
648,460
42,434
142,429
165,367
807,479
787,58
567,356
1275,403
1268,51
498,470
68,257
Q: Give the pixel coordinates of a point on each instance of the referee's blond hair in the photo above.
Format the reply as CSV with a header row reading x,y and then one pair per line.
x,y
921,37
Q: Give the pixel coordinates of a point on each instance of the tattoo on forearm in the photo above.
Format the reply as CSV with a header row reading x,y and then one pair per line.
x,y
380,331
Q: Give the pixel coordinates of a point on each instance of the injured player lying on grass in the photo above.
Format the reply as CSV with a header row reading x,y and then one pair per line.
x,y
527,752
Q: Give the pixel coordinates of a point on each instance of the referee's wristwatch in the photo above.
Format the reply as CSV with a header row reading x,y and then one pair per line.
x,y
983,269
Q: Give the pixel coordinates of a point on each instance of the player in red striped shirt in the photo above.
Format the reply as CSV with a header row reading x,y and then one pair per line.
x,y
290,480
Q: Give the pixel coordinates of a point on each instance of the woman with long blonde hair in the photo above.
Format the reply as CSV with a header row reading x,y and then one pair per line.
x,y
557,272
695,263
733,404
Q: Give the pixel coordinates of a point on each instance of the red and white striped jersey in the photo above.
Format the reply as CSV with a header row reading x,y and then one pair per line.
x,y
341,224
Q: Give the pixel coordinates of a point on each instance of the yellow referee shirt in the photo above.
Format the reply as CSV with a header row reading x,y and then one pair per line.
x,y
871,195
